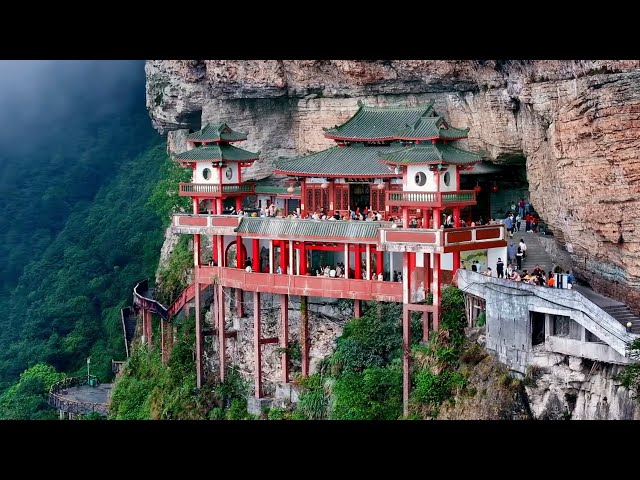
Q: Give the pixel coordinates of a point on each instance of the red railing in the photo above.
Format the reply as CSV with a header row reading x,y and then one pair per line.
x,y
140,301
304,284
216,190
431,199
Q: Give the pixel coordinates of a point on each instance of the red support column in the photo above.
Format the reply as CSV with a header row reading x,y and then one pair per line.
x,y
221,331
358,262
284,336
238,203
196,250
303,199
437,218
436,291
406,294
214,238
283,256
162,340
219,205
406,350
379,262
457,224
411,268
426,217
256,255
332,198
198,335
196,209
257,347
357,308
304,334
303,259
405,217
240,264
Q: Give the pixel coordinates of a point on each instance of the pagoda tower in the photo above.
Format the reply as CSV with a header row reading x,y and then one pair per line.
x,y
217,175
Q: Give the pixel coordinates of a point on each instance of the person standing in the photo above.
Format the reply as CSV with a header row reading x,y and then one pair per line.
x,y
519,255
511,252
518,221
500,268
508,223
521,207
523,246
474,266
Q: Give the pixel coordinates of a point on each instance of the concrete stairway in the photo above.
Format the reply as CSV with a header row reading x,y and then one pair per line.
x,y
536,254
623,314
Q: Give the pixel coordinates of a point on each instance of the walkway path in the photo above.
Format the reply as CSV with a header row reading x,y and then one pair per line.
x,y
536,254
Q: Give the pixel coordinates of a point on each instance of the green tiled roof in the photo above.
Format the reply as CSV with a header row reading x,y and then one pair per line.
x,y
217,152
269,190
454,132
350,161
379,122
217,132
429,154
296,229
394,123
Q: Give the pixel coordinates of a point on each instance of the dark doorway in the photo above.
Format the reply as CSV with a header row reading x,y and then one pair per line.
x,y
292,204
360,196
537,328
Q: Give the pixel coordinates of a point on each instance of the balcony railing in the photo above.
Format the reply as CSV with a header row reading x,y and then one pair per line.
x,y
214,190
431,199
443,240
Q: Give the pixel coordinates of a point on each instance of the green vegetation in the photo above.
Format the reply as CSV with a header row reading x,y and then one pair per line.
x,y
67,303
630,375
27,399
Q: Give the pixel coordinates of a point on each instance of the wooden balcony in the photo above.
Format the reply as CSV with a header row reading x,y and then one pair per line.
x,y
460,198
429,240
303,284
211,190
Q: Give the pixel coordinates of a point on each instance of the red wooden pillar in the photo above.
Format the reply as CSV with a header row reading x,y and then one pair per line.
x,y
406,348
457,224
257,347
357,308
426,217
238,203
240,264
162,340
379,262
425,326
198,335
219,205
284,336
196,209
332,198
303,259
214,239
405,217
358,262
221,331
149,327
304,334
411,269
303,199
256,255
436,290
437,219
283,256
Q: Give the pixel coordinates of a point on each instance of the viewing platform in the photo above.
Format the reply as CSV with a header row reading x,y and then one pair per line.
x,y
212,190
306,285
75,396
460,198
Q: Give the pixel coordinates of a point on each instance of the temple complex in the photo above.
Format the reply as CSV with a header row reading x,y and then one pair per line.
x,y
395,168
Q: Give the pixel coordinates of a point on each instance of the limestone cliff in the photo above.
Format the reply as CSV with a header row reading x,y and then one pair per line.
x,y
577,124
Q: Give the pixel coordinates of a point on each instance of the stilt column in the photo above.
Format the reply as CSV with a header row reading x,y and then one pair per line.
x,y
284,336
304,334
257,347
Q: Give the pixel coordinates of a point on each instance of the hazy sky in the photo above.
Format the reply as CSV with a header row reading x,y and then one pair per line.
x,y
35,93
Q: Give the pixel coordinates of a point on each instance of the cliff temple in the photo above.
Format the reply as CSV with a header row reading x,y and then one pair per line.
x,y
398,163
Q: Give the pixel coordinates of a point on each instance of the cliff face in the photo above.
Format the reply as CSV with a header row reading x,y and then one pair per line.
x,y
576,124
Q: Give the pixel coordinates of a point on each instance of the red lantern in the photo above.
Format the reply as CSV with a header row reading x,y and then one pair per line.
x,y
477,188
494,189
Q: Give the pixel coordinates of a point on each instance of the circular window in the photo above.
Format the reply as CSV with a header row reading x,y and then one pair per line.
x,y
420,179
229,173
447,178
206,173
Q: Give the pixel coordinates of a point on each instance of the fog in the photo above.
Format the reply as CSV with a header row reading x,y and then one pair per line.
x,y
36,95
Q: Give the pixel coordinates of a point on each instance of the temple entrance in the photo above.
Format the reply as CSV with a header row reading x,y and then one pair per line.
x,y
359,196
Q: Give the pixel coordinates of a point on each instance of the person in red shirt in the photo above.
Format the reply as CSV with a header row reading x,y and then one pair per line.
x,y
534,224
528,219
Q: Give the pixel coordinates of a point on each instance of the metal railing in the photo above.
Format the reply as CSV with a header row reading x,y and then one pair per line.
x,y
59,400
140,301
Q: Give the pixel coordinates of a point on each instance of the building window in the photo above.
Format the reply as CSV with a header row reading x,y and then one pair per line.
x,y
420,179
447,178
206,173
229,173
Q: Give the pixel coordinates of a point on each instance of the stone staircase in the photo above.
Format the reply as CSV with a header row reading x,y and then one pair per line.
x,y
536,254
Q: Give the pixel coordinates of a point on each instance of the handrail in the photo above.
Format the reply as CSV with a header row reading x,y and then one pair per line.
x,y
63,403
148,303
